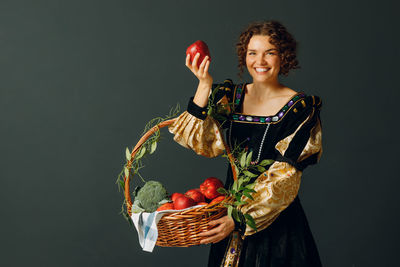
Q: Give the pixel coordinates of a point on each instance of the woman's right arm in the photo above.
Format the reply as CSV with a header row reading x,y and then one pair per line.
x,y
205,79
193,128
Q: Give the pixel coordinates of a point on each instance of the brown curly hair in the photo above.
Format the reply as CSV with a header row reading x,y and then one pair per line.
x,y
279,37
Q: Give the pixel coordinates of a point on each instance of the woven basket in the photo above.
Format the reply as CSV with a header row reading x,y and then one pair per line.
x,y
181,228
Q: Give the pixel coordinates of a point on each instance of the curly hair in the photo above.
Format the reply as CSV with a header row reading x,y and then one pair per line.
x,y
279,37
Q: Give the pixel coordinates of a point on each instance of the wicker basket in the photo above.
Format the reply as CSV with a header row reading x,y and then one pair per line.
x,y
181,228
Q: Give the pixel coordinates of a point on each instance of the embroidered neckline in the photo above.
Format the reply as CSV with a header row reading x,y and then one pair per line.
x,y
240,117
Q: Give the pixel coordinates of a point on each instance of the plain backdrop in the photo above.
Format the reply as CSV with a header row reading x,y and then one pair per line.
x,y
80,79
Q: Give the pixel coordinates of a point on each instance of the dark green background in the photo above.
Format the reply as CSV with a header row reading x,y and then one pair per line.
x,y
80,79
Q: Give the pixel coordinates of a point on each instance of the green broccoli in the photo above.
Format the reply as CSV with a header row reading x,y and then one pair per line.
x,y
150,196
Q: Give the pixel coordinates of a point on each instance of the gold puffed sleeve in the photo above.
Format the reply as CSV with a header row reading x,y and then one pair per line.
x,y
196,130
202,136
277,187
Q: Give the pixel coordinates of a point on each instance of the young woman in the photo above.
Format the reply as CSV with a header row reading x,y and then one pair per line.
x,y
275,122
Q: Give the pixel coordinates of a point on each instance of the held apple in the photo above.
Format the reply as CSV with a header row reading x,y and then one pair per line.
x,y
198,47
183,202
196,195
209,187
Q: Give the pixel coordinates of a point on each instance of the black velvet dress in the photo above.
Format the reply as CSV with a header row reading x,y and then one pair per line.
x,y
287,241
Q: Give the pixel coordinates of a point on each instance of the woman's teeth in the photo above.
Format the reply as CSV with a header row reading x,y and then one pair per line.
x,y
262,69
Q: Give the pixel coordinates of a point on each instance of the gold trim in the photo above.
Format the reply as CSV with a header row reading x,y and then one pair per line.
x,y
295,110
303,103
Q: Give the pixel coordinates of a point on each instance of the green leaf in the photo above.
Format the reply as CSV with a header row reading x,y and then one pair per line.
x,y
128,154
121,184
261,169
248,195
235,185
250,221
235,214
250,174
243,160
230,211
238,196
249,190
251,186
222,190
164,201
238,203
248,159
266,162
153,147
141,152
240,182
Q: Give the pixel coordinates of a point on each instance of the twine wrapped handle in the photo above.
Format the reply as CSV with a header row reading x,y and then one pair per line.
x,y
140,143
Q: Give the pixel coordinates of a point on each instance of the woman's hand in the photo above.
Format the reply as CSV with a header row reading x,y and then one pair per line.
x,y
200,72
225,226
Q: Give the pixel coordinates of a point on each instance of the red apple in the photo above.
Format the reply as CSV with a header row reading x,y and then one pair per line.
x,y
196,195
198,47
174,196
166,206
209,187
183,202
217,199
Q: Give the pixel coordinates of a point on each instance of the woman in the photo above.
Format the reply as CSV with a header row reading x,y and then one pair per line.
x,y
273,121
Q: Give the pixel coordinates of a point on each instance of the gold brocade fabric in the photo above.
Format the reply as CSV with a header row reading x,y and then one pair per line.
x,y
233,250
275,189
314,143
202,136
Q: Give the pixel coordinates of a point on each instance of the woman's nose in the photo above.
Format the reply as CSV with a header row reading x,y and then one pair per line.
x,y
261,59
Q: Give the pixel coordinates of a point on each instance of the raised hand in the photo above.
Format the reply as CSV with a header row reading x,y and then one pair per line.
x,y
200,72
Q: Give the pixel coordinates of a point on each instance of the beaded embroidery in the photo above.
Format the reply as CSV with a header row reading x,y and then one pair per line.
x,y
238,117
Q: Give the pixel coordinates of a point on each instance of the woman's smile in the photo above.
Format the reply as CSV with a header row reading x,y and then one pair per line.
x,y
262,59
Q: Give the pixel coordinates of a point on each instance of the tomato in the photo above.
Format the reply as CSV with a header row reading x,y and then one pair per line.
x,y
209,187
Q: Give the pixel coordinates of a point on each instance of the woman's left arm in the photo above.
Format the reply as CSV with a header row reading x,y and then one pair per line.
x,y
277,187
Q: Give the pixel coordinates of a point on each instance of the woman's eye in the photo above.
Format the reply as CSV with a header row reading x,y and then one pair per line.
x,y
252,53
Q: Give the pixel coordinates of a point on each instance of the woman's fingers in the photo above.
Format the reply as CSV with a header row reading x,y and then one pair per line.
x,y
206,67
194,62
202,71
187,62
210,232
218,221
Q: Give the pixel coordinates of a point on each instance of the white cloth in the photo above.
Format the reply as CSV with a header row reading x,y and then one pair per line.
x,y
146,226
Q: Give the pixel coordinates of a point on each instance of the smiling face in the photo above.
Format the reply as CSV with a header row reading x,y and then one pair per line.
x,y
262,59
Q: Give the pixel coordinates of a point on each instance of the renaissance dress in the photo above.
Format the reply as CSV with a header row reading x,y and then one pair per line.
x,y
292,138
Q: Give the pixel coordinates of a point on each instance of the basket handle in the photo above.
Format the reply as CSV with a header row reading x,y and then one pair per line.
x,y
143,139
